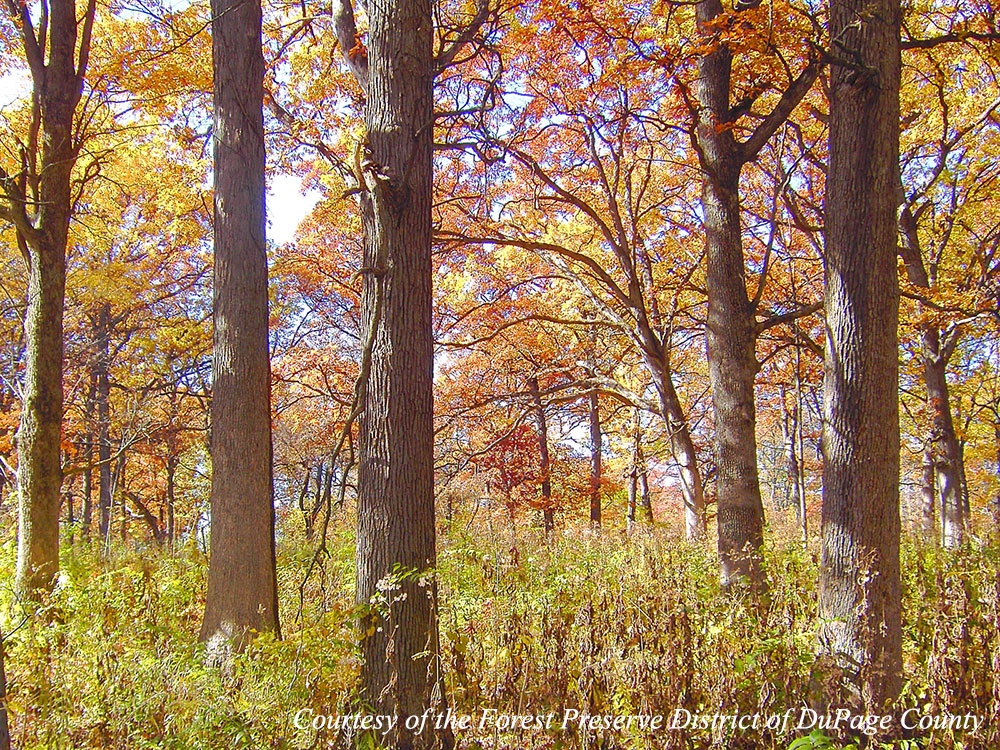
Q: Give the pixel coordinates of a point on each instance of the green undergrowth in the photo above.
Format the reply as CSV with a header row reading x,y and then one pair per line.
x,y
605,626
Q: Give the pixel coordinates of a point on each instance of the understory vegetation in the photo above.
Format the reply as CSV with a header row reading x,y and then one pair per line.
x,y
609,624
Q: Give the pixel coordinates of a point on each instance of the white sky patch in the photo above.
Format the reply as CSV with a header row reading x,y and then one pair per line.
x,y
287,206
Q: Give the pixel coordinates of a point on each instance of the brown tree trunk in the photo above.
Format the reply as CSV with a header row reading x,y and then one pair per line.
x,y
242,587
730,331
58,82
545,469
859,599
396,533
594,418
102,365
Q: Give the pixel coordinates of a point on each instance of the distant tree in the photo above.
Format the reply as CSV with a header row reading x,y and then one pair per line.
x,y
242,586
859,600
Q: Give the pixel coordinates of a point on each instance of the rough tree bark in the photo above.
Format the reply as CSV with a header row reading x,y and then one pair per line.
x,y
396,535
38,204
730,334
242,588
545,468
859,599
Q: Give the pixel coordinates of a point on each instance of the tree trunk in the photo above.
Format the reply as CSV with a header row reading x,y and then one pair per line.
x,y
396,534
731,328
102,365
935,356
242,587
58,82
633,473
946,452
594,418
859,598
681,444
545,469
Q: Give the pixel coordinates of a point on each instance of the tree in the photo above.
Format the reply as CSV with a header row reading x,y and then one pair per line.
x,y
242,584
545,465
396,534
38,202
860,579
732,328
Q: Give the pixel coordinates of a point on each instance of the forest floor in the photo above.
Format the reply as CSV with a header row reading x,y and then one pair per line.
x,y
609,625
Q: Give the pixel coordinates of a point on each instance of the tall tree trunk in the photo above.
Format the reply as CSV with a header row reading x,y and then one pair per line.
x,y
594,418
545,469
396,534
242,587
731,328
58,83
859,600
102,365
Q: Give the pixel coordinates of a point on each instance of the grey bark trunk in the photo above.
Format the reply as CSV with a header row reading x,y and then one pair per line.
x,y
681,445
396,532
242,588
946,450
730,331
859,599
57,85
